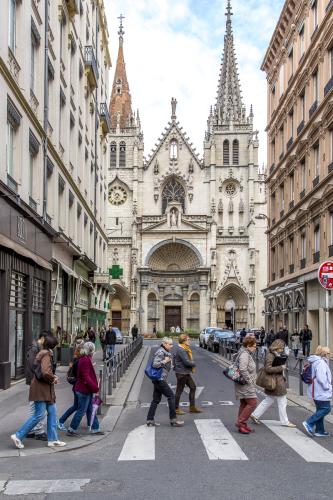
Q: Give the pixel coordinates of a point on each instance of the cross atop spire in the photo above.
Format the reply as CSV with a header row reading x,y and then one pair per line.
x,y
121,32
229,105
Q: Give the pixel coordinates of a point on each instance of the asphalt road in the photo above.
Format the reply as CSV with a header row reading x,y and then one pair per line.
x,y
207,458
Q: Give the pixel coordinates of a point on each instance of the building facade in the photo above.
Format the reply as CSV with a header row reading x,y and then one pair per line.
x,y
185,247
54,63
299,68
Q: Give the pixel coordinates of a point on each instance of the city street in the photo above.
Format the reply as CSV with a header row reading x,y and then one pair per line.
x,y
207,458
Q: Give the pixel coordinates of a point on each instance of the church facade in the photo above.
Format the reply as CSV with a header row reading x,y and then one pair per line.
x,y
187,243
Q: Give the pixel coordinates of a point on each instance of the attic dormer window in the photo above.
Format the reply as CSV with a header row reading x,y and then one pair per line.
x,y
173,149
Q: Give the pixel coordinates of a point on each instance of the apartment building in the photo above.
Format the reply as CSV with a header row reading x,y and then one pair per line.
x,y
299,68
54,64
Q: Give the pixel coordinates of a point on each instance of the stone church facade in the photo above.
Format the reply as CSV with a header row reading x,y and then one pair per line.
x,y
187,243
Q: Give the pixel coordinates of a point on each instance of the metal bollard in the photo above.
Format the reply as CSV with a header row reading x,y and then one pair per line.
x,y
300,378
101,378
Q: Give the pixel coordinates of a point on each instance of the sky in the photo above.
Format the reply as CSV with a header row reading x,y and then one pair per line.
x,y
173,48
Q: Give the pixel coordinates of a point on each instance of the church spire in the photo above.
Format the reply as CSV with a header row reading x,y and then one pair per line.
x,y
121,101
229,105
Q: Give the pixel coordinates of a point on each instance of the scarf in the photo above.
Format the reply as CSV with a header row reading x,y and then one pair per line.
x,y
189,352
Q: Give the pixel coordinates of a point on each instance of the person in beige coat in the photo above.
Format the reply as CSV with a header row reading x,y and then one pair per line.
x,y
246,393
279,393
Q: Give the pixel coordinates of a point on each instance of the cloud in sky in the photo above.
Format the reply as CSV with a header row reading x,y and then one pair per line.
x,y
173,48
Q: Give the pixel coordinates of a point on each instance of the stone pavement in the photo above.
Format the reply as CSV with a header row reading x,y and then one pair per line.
x,y
14,408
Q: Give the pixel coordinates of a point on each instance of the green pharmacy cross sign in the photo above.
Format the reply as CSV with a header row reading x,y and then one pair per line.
x,y
116,272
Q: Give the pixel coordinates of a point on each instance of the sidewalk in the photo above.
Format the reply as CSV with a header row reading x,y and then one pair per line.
x,y
14,409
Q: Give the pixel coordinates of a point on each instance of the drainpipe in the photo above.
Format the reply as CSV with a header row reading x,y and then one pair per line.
x,y
46,107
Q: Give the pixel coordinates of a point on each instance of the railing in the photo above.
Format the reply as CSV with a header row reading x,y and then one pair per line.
x,y
90,60
32,204
302,194
105,117
281,156
290,143
330,167
11,183
291,204
315,181
271,170
316,257
302,263
281,273
330,250
291,268
115,367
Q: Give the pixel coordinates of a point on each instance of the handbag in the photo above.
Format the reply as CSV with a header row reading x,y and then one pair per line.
x,y
153,373
233,373
266,380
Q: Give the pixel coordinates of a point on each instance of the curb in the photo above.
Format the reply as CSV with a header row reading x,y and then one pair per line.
x,y
107,424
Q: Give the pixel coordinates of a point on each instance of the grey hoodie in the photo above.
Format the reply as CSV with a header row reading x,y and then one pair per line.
x,y
322,379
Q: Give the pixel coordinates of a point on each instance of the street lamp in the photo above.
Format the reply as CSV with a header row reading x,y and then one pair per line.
x,y
262,217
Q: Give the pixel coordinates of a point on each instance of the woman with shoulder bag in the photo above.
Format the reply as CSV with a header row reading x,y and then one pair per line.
x,y
275,385
246,393
43,394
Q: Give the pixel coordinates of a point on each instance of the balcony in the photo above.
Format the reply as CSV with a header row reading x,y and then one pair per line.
x,y
48,219
32,204
273,276
281,156
302,194
315,181
291,268
316,257
91,66
291,205
281,273
281,214
290,143
300,127
330,250
313,108
330,167
73,7
105,118
273,221
14,66
302,263
328,86
271,169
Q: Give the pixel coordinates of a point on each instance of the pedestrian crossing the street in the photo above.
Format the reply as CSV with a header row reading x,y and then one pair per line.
x,y
220,444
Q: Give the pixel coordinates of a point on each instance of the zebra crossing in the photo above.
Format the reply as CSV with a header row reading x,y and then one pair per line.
x,y
220,444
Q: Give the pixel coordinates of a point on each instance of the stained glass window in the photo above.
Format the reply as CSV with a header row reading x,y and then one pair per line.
x,y
173,191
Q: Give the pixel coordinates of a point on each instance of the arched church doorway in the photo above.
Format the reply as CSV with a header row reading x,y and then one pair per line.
x,y
232,307
120,309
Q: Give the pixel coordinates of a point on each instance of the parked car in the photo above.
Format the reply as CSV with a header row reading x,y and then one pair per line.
x,y
203,337
119,335
213,342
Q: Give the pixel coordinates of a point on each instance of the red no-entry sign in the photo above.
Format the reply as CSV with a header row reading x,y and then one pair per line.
x,y
325,275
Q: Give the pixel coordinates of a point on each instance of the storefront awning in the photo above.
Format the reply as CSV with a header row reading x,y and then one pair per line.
x,y
24,252
67,269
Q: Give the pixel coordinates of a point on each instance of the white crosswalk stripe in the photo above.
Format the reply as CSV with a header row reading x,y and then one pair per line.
x,y
220,444
139,444
302,444
30,487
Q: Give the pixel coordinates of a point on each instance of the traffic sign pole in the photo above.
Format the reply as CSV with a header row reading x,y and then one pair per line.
x,y
325,278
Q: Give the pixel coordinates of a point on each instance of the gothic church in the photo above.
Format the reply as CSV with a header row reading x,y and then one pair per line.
x,y
187,243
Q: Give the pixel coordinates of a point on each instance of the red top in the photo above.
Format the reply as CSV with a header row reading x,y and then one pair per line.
x,y
86,377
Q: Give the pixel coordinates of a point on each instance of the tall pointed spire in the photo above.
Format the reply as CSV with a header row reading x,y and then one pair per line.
x,y
121,101
229,105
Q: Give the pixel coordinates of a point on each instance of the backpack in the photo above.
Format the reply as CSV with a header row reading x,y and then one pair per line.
x,y
37,370
306,374
72,372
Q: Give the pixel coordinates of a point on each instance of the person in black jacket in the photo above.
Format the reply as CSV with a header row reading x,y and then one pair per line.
x,y
110,341
38,432
283,334
184,366
306,337
134,332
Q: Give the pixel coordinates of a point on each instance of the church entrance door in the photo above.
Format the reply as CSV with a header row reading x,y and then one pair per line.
x,y
173,317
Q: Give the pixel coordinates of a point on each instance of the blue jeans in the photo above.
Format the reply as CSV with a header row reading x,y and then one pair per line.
x,y
110,350
84,406
317,419
40,408
70,410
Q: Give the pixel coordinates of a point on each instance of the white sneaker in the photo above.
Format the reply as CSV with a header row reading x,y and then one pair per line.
x,y
55,444
17,442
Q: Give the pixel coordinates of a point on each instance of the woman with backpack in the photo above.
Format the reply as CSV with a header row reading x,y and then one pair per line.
x,y
43,394
246,393
275,384
320,390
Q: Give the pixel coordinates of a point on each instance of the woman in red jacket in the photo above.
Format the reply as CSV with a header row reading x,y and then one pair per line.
x,y
85,387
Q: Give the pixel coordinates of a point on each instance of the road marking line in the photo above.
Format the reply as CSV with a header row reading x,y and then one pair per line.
x,y
305,446
139,444
27,487
219,443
